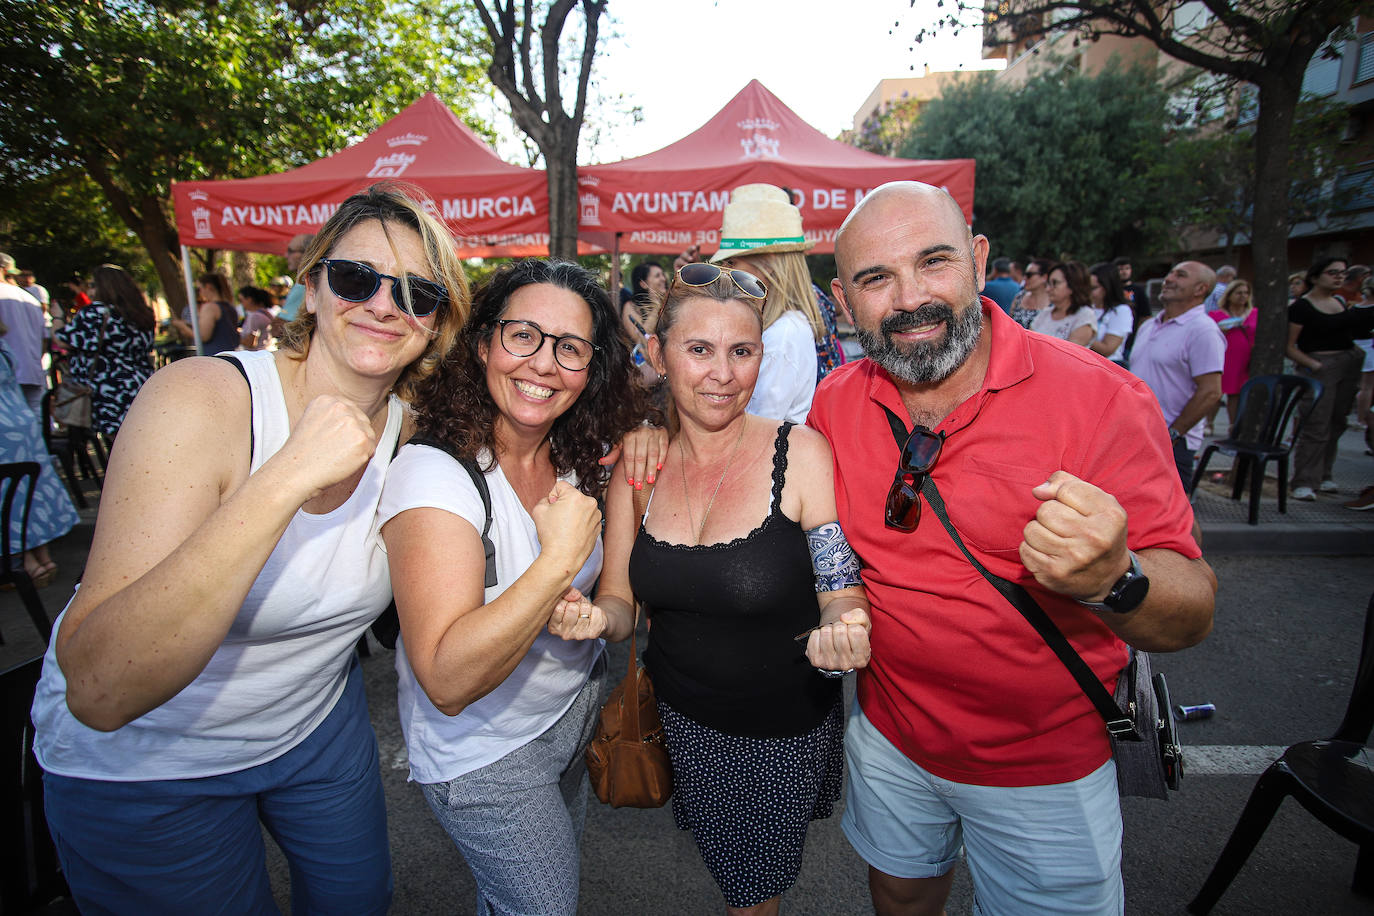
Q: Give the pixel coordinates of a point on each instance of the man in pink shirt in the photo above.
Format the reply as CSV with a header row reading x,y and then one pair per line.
x,y
1053,466
1179,353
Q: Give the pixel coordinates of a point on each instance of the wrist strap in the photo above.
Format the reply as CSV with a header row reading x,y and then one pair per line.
x,y
1118,723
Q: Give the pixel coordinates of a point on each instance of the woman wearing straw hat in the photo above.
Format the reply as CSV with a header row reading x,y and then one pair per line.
x,y
762,233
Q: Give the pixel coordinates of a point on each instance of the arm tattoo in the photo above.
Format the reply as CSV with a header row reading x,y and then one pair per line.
x,y
832,559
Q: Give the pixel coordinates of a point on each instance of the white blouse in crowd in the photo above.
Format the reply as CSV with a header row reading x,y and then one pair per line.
x,y
1044,322
787,377
1117,321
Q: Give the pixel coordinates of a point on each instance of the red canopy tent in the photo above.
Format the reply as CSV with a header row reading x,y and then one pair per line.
x,y
492,207
666,200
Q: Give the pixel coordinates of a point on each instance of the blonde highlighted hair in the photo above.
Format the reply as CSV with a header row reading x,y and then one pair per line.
x,y
390,205
789,286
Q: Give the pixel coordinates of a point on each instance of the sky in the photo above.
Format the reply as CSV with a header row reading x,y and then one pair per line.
x,y
680,61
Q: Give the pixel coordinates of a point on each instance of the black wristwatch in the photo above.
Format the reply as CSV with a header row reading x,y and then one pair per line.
x,y
1127,594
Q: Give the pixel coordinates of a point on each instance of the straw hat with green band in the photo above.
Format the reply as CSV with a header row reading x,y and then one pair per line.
x,y
760,218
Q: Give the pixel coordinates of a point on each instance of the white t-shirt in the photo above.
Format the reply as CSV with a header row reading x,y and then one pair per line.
x,y
1044,322
548,678
1117,321
787,376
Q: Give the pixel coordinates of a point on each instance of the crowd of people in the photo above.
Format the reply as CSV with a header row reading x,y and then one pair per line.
x,y
372,430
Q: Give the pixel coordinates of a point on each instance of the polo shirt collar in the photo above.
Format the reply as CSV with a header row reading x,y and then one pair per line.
x,y
1193,314
1009,363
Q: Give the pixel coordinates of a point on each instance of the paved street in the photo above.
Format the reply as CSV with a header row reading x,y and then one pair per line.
x,y
1278,667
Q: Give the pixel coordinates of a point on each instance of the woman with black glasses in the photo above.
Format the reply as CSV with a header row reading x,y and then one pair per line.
x,y
1070,315
752,591
203,682
501,668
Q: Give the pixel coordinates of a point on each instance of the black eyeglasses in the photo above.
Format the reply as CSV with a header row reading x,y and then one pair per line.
x,y
524,338
703,274
922,450
354,281
1033,273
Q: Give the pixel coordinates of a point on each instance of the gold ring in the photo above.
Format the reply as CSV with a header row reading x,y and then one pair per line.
x,y
584,616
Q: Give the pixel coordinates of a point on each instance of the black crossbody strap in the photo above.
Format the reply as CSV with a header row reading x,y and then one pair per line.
x,y
1118,723
479,480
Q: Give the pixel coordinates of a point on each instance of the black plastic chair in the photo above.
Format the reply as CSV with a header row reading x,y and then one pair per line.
x,y
72,447
30,874
12,571
1256,438
1334,780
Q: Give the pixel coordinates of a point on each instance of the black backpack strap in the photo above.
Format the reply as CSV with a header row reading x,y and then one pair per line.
x,y
388,625
1119,724
479,480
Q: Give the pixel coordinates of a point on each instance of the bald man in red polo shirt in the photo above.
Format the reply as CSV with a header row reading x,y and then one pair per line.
x,y
1056,469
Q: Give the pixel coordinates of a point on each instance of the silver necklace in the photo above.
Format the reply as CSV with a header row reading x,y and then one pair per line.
x,y
688,499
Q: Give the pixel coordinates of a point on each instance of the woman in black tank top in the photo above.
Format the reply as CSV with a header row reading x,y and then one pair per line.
x,y
755,601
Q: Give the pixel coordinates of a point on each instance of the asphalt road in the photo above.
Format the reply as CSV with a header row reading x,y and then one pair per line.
x,y
1278,666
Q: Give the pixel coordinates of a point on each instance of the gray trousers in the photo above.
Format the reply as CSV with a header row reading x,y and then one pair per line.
x,y
518,820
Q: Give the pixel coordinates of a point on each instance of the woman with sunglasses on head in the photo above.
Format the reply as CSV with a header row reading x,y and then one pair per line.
x,y
1034,296
501,675
752,590
203,682
1070,315
1321,342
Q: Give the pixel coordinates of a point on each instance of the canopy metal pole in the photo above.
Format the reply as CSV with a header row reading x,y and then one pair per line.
x,y
191,296
615,272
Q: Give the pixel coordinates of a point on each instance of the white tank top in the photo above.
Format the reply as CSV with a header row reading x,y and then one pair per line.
x,y
283,665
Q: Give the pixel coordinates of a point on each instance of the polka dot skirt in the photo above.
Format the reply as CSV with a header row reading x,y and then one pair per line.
x,y
748,801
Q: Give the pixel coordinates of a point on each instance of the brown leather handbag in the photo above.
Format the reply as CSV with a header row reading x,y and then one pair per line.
x,y
627,759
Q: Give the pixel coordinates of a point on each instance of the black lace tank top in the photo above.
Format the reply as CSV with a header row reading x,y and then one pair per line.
x,y
722,648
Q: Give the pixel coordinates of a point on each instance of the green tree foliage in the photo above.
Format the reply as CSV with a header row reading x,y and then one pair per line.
x,y
1265,43
1063,162
135,94
1213,166
58,225
883,132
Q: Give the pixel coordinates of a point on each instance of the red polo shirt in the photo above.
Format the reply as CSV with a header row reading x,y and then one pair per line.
x,y
959,681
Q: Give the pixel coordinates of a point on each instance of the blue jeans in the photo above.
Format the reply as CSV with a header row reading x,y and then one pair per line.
x,y
518,820
192,846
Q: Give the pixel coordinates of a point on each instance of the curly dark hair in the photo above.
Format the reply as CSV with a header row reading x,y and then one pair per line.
x,y
454,405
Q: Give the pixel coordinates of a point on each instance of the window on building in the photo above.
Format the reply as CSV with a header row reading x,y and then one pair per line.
x,y
1364,64
1355,188
1323,73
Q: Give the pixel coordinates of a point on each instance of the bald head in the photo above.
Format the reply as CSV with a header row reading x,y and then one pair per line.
x,y
1186,286
891,204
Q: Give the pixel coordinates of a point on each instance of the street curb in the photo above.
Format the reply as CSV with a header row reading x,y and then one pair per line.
x,y
1331,540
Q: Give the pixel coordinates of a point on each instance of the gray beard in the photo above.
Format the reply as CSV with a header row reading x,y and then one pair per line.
x,y
928,362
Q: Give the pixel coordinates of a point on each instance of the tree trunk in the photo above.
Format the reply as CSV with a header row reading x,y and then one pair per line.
x,y
1278,99
166,261
563,212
